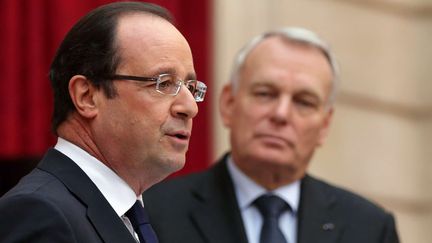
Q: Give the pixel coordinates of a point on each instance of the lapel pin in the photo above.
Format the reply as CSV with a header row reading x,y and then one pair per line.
x,y
328,226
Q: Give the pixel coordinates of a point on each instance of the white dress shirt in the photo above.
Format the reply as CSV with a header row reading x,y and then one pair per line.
x,y
116,191
247,191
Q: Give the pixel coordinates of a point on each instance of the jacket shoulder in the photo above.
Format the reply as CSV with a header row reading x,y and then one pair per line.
x,y
178,187
345,199
30,201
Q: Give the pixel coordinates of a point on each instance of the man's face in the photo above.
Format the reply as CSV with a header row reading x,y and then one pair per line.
x,y
278,115
142,130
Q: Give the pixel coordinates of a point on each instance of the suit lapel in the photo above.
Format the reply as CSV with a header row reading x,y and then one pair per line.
x,y
106,222
219,219
317,222
218,216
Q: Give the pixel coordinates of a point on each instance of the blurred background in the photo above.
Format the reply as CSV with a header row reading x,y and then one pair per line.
x,y
378,143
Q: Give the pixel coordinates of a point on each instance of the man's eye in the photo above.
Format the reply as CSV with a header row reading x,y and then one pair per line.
x,y
190,87
264,94
306,103
166,84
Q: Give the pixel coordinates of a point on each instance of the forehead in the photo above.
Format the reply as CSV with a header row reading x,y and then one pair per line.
x,y
287,63
151,42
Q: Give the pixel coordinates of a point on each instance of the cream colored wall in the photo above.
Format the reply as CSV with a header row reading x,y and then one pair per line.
x,y
379,144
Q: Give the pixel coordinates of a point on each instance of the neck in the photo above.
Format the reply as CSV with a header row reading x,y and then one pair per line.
x,y
270,177
77,131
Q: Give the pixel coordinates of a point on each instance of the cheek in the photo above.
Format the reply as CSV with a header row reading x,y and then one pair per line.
x,y
112,117
309,133
246,122
138,119
243,118
147,121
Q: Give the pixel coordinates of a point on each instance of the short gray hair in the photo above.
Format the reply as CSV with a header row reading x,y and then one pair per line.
x,y
294,34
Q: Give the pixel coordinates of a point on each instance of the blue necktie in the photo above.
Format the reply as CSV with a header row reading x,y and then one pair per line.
x,y
271,207
140,222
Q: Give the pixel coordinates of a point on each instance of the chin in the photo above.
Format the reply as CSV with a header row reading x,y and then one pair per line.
x,y
175,164
272,153
277,161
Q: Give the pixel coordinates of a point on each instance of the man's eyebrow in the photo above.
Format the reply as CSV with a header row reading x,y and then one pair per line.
x,y
163,70
191,76
263,84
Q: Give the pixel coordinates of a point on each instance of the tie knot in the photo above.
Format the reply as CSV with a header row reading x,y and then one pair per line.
x,y
137,215
271,206
140,222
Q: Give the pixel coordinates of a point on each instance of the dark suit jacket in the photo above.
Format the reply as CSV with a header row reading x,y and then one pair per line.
x,y
202,208
57,202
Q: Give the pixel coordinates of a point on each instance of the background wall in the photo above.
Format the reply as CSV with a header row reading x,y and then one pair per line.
x,y
378,145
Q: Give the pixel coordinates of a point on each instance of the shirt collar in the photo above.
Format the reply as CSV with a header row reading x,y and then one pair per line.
x,y
116,191
247,190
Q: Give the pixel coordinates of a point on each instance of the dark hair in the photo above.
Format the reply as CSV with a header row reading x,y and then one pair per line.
x,y
89,49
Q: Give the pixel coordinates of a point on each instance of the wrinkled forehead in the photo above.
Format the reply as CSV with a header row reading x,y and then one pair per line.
x,y
277,52
151,40
285,43
146,29
287,63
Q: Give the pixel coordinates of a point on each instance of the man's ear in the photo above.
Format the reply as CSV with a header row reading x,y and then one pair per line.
x,y
325,126
82,92
226,105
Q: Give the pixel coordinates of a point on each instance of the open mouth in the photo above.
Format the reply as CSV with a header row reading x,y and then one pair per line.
x,y
181,136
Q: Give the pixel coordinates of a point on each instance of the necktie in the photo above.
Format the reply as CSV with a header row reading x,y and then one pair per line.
x,y
271,207
140,222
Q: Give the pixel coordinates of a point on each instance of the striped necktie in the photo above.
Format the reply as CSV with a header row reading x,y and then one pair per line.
x,y
271,207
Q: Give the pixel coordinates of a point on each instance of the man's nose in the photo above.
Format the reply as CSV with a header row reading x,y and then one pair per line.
x,y
185,105
282,110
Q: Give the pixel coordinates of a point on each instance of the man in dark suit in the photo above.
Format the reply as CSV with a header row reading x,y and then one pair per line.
x,y
123,120
278,108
